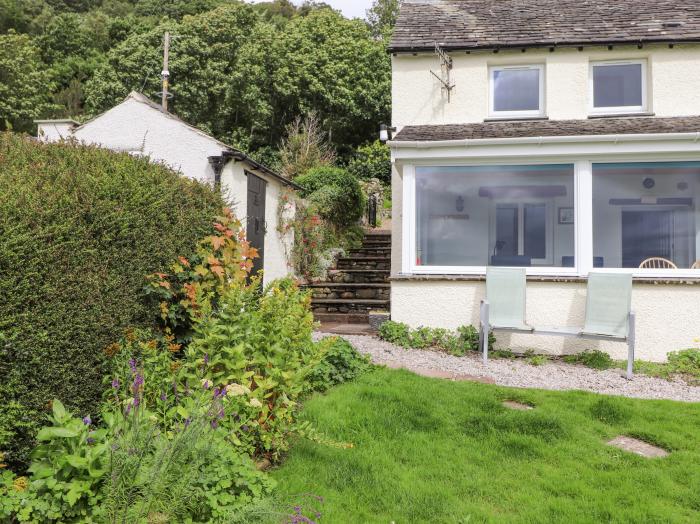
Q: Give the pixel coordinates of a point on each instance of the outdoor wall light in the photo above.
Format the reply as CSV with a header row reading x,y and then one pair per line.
x,y
385,132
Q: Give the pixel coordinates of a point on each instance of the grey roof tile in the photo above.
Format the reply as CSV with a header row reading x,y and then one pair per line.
x,y
488,24
549,128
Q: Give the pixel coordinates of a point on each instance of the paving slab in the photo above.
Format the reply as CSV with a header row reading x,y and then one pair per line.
x,y
512,404
638,447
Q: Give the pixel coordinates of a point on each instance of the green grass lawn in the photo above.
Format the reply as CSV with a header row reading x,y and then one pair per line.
x,y
428,450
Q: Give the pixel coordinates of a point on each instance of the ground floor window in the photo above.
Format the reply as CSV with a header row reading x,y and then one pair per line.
x,y
645,215
563,218
495,215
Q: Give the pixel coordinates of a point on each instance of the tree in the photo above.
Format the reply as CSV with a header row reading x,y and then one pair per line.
x,y
372,161
381,17
331,65
25,85
305,147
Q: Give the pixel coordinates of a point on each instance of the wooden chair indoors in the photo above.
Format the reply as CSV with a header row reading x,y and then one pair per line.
x,y
657,263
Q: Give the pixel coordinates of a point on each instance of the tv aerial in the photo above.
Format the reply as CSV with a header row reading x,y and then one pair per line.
x,y
445,76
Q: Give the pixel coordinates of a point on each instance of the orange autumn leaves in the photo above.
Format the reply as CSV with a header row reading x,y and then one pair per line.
x,y
223,258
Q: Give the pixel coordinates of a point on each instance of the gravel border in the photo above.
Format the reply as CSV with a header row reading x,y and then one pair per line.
x,y
518,373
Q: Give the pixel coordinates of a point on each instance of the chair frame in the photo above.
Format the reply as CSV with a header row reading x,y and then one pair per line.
x,y
485,329
657,263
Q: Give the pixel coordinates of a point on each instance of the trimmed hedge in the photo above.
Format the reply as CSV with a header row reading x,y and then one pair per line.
x,y
80,228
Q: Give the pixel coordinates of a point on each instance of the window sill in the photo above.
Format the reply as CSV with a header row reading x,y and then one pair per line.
x,y
538,278
621,115
514,118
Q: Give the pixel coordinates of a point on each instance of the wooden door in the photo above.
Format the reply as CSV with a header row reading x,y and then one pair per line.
x,y
255,227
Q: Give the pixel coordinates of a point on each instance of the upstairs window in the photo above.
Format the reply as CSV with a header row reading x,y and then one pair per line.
x,y
517,91
618,87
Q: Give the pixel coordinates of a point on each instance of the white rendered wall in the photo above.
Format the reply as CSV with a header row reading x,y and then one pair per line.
x,y
673,80
668,318
137,128
234,183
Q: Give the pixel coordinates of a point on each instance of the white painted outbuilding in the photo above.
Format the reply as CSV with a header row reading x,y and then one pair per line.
x,y
139,126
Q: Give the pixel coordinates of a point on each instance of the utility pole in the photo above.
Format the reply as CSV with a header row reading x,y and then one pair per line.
x,y
165,75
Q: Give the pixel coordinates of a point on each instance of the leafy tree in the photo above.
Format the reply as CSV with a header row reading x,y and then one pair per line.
x,y
372,161
24,82
331,65
177,9
381,17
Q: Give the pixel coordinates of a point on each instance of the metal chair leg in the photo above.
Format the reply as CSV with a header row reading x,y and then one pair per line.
x,y
484,331
630,347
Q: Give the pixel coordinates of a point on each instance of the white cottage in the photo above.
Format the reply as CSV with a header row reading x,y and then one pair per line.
x,y
558,136
139,126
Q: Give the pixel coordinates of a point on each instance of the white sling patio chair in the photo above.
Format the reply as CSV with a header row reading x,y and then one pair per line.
x,y
608,310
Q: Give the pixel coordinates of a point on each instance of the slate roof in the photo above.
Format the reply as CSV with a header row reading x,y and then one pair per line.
x,y
549,128
490,24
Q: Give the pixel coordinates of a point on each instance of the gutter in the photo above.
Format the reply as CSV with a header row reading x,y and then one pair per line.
x,y
538,140
541,45
239,156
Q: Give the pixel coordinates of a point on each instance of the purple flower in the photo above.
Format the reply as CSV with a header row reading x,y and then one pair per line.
x,y
245,428
163,397
87,421
188,421
90,440
214,424
115,384
206,359
136,402
217,393
132,365
138,382
221,413
127,409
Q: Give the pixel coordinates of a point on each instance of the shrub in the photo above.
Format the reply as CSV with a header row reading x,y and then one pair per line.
x,y
80,228
595,359
340,362
335,193
259,345
465,339
372,161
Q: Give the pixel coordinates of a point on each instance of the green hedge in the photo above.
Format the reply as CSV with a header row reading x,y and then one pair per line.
x,y
335,193
80,228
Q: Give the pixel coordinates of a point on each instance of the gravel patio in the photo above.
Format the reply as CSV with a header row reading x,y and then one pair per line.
x,y
519,373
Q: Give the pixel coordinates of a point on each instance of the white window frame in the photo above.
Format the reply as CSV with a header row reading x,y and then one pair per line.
x,y
619,110
583,215
516,114
410,217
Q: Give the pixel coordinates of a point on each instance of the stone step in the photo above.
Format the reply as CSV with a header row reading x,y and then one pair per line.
x,y
350,290
371,263
355,306
374,303
342,318
371,252
376,243
348,285
358,275
377,233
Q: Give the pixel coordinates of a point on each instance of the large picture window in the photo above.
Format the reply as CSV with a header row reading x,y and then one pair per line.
x,y
618,87
645,215
476,216
517,91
